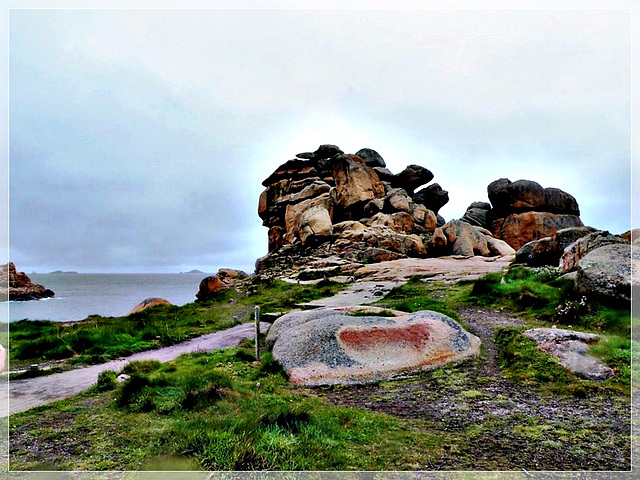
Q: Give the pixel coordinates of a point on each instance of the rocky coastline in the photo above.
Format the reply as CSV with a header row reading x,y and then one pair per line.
x,y
18,286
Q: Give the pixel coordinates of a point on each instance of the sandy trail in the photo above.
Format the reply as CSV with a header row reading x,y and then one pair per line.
x,y
33,392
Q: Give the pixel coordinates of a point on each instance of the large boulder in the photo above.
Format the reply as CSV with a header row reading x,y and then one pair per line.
x,y
20,286
577,250
433,197
371,158
411,178
149,303
518,229
605,273
310,217
329,346
460,238
476,214
524,211
526,195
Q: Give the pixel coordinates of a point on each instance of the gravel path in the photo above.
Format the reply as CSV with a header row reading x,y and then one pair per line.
x,y
359,293
33,392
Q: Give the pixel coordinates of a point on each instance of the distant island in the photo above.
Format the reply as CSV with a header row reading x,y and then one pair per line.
x,y
192,271
58,272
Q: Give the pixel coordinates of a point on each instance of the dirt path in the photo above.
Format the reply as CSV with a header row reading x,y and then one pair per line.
x,y
503,420
26,394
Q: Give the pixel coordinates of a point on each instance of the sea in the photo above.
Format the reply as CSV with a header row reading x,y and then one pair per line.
x,y
78,295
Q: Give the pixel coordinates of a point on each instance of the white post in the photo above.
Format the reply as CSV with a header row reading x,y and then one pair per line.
x,y
257,324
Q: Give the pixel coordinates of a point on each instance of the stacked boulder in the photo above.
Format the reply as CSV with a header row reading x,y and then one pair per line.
x,y
523,211
328,204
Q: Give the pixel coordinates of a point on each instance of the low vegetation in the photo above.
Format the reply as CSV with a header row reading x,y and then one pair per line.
x,y
97,339
226,411
212,411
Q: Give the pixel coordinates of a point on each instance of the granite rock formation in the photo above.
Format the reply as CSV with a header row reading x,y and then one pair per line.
x,y
351,209
20,286
523,211
225,279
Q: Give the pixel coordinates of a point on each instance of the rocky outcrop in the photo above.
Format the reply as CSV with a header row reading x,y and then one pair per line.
x,y
605,273
225,279
524,211
20,287
148,303
549,250
327,204
329,346
570,348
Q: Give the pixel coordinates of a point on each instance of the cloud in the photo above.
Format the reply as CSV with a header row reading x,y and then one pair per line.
x,y
139,138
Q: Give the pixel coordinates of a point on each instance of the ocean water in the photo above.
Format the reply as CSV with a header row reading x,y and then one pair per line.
x,y
110,295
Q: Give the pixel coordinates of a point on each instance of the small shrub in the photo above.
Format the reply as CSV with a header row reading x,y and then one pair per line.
x,y
134,394
106,381
141,366
269,366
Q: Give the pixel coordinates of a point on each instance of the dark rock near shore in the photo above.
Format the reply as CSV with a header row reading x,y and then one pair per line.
x,y
20,286
225,279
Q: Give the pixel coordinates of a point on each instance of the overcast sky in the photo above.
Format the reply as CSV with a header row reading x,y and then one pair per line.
x,y
139,138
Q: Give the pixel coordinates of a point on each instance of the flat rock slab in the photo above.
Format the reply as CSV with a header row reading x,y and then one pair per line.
x,y
29,393
329,346
570,349
449,269
360,293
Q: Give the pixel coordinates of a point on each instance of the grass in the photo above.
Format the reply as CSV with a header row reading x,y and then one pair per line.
x,y
214,411
98,339
540,297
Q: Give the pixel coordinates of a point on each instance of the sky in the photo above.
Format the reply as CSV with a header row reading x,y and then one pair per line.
x,y
138,139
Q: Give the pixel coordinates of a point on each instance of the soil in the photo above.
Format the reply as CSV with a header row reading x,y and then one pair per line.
x,y
503,425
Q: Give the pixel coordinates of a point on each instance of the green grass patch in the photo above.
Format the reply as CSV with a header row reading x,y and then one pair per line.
x,y
522,362
98,339
416,295
214,411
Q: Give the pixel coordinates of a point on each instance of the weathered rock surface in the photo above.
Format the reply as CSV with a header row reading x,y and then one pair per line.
x,y
549,250
327,203
19,285
577,250
606,273
433,197
225,279
328,346
460,238
476,214
518,229
148,303
570,349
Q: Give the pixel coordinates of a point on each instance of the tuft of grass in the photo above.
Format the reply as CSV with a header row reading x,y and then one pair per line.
x,y
416,295
536,292
521,361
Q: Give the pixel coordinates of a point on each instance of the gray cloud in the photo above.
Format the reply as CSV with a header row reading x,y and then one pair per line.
x,y
139,138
